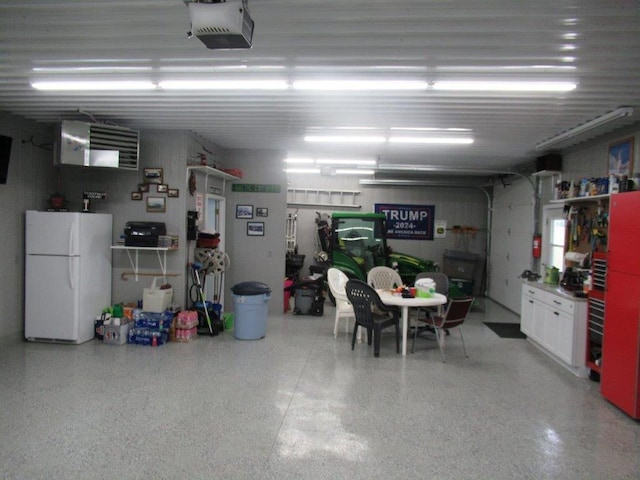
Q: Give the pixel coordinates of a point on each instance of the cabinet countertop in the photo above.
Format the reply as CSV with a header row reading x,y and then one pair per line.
x,y
555,289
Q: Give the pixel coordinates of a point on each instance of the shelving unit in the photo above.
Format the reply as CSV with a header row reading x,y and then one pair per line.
x,y
134,264
300,197
211,172
588,198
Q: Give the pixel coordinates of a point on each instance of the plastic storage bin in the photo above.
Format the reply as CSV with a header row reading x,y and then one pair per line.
x,y
250,303
425,288
157,298
460,265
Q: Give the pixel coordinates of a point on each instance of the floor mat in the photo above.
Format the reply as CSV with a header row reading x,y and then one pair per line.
x,y
506,330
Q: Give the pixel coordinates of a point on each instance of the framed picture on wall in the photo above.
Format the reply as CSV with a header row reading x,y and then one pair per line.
x,y
621,158
255,229
136,195
143,187
162,188
244,211
156,204
262,212
152,175
173,193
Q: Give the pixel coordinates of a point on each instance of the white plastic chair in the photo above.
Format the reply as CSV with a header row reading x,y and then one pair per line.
x,y
383,278
337,281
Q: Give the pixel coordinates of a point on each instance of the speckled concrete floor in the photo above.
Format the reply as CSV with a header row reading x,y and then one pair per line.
x,y
300,404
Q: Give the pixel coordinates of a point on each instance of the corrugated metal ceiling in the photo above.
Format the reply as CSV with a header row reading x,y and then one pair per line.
x,y
593,43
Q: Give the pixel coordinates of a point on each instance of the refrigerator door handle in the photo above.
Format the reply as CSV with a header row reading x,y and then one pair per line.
x,y
71,230
71,279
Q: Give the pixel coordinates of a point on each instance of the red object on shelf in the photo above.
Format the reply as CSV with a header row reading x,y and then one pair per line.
x,y
236,172
620,371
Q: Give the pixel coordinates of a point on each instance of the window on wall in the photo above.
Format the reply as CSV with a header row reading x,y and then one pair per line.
x,y
553,237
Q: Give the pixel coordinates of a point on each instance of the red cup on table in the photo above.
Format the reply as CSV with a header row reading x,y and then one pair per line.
x,y
412,291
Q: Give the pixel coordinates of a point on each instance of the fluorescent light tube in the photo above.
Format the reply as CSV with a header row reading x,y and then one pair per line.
x,y
497,86
346,161
302,170
344,139
354,171
433,140
223,85
299,161
93,85
430,129
359,85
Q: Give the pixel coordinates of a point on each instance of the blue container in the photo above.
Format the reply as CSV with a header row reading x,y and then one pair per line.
x,y
250,303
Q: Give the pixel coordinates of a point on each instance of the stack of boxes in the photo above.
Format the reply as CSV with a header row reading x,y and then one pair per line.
x,y
186,327
150,328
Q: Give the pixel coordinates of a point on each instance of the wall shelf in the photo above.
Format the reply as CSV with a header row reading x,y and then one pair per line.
x,y
314,197
134,264
589,198
211,172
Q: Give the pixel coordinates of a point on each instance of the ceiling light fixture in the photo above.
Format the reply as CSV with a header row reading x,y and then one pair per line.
x,y
502,86
344,139
302,170
584,131
93,85
359,85
430,129
224,85
346,161
299,161
354,171
432,140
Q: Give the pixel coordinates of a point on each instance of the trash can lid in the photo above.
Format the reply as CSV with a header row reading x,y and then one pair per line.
x,y
250,288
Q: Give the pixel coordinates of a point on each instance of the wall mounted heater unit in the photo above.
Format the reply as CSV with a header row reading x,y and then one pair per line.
x,y
97,145
223,25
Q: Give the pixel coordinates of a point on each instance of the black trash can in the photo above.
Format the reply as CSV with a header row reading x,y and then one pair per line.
x,y
251,309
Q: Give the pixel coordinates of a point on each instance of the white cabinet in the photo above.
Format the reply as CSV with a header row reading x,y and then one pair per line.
x,y
555,323
527,312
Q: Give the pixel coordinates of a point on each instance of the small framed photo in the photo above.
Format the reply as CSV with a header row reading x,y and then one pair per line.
x,y
262,212
621,158
156,204
136,195
162,188
173,193
152,175
143,187
255,229
244,211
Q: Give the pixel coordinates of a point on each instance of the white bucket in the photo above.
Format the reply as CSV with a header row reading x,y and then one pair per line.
x,y
425,288
156,299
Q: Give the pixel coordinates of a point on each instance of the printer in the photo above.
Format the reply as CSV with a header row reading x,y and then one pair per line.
x,y
143,234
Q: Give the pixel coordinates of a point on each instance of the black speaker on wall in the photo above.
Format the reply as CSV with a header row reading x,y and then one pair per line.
x,y
5,155
550,161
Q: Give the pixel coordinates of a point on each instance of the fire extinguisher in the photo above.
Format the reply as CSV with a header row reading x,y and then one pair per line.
x,y
537,245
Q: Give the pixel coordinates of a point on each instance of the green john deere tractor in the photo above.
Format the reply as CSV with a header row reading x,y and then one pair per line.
x,y
359,243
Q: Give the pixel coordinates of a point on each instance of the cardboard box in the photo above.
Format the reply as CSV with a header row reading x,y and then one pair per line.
x,y
116,334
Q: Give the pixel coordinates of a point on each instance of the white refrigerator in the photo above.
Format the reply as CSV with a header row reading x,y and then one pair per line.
x,y
68,274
